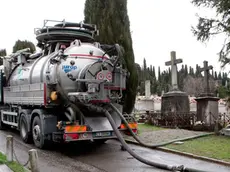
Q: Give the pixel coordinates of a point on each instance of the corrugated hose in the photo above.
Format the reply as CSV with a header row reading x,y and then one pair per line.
x,y
136,156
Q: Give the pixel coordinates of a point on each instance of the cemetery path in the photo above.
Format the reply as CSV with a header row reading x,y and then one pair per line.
x,y
164,135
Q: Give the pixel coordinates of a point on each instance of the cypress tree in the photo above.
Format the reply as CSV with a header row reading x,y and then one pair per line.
x,y
144,64
2,52
186,70
159,74
154,73
219,76
151,71
197,74
215,75
144,70
112,20
23,44
190,70
193,73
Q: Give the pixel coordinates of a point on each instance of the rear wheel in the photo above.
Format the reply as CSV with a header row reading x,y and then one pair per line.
x,y
37,133
24,132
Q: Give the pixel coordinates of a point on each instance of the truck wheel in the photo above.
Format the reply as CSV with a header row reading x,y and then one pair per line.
x,y
37,131
24,132
2,126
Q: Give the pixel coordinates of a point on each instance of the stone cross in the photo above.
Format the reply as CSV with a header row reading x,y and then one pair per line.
x,y
173,64
206,69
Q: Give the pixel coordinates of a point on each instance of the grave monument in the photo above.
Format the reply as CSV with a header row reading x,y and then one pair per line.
x,y
207,103
174,100
145,103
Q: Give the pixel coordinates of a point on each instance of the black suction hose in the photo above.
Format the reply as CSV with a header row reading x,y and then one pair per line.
x,y
125,145
151,163
145,161
155,145
183,169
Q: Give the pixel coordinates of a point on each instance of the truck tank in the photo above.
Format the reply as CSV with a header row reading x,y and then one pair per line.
x,y
72,67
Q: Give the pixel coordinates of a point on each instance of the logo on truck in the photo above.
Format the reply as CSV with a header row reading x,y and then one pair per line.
x,y
68,68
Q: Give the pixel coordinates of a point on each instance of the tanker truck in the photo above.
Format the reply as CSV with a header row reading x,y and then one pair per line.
x,y
48,95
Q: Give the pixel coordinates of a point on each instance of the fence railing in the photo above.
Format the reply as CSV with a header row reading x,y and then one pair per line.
x,y
176,119
182,119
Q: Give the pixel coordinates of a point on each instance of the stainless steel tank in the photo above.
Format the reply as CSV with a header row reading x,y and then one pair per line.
x,y
70,63
83,61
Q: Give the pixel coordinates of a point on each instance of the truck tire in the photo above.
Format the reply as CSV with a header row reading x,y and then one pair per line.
x,y
37,133
24,132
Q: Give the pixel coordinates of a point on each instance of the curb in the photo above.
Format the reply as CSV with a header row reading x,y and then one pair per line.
x,y
25,169
183,153
5,164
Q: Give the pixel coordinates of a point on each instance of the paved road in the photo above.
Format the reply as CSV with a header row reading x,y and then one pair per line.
x,y
107,157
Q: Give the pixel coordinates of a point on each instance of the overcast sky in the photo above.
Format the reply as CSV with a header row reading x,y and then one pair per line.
x,y
158,27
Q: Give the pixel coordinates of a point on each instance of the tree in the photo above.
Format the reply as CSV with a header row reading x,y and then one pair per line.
x,y
215,75
186,70
144,70
154,73
222,92
114,27
23,44
198,73
2,53
208,27
159,73
144,64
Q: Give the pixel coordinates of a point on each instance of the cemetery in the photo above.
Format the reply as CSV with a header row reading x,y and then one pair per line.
x,y
176,108
176,115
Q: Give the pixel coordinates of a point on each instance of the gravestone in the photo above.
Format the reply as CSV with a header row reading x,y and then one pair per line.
x,y
145,103
207,103
147,89
174,100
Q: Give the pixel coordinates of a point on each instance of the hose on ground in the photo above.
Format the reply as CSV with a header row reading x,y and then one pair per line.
x,y
186,169
155,145
125,145
183,169
145,161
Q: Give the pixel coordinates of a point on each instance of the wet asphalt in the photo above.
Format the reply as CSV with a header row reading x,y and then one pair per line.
x,y
108,157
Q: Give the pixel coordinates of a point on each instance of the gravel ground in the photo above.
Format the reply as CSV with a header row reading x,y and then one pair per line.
x,y
165,135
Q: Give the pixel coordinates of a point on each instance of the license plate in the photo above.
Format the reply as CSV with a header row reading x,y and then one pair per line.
x,y
102,134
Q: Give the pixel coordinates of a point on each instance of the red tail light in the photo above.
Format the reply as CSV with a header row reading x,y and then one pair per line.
x,y
71,136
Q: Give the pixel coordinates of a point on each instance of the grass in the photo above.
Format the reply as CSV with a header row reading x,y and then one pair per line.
x,y
147,127
217,147
12,165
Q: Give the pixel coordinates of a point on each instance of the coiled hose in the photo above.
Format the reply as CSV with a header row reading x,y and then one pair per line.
x,y
155,145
